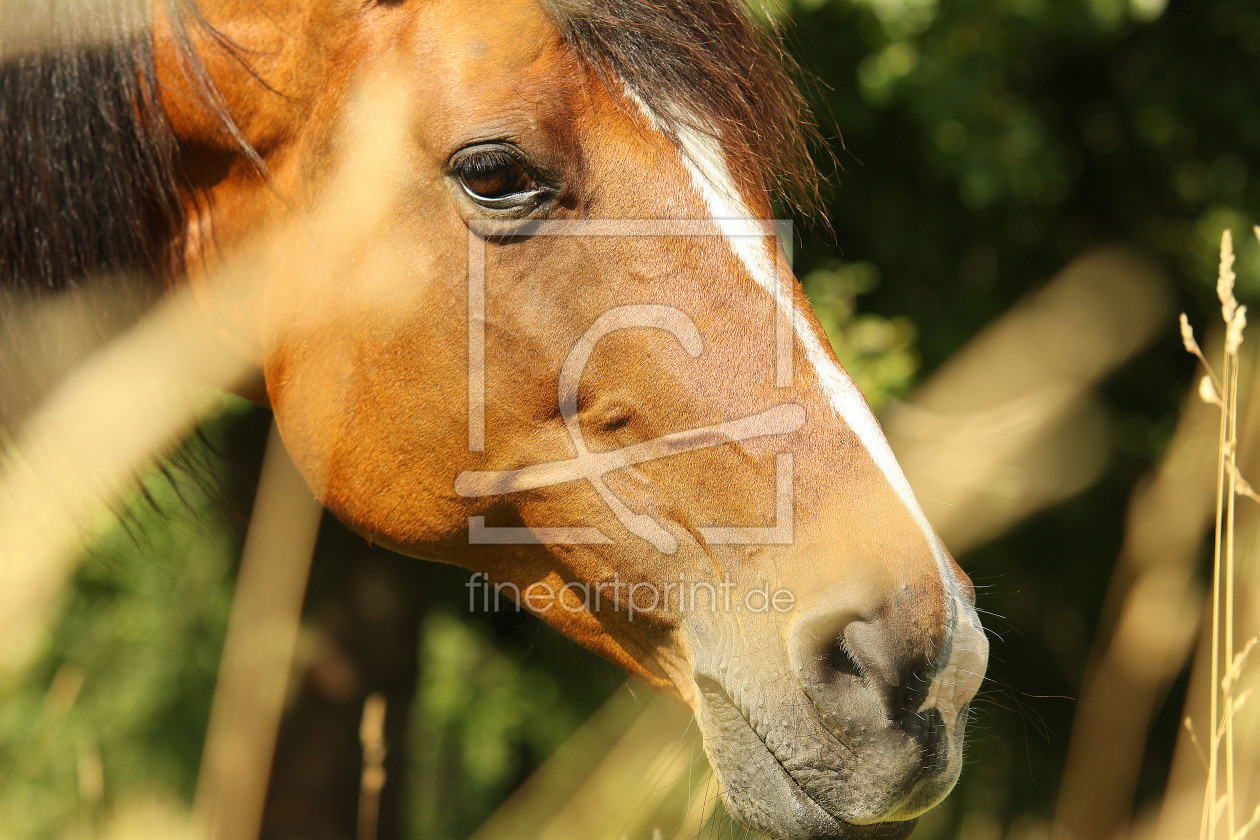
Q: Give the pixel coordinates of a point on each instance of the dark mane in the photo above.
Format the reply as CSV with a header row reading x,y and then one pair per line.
x,y
705,65
87,171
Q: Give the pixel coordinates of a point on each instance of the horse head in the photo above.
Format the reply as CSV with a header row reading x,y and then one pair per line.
x,y
570,355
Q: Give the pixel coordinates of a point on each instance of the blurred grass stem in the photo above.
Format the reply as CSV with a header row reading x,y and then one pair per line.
x,y
1222,706
258,652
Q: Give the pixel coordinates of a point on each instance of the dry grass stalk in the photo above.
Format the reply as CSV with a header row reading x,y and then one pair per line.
x,y
147,390
1003,430
266,611
258,652
1149,622
372,779
1249,825
60,475
1222,392
652,749
58,478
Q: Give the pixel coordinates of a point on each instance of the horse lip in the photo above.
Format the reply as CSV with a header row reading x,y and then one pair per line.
x,y
712,689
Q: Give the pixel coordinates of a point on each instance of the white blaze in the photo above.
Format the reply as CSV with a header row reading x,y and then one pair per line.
x,y
706,165
958,681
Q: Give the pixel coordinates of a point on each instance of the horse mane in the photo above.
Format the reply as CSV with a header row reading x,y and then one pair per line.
x,y
87,173
707,66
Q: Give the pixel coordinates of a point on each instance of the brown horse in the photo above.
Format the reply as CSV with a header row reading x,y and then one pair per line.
x,y
569,354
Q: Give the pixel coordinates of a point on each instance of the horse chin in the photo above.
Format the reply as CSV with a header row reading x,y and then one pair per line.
x,y
808,804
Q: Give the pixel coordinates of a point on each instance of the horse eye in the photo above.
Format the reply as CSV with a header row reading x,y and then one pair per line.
x,y
494,174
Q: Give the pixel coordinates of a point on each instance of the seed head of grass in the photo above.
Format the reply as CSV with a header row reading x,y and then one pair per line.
x,y
1234,335
1207,391
1187,336
1225,279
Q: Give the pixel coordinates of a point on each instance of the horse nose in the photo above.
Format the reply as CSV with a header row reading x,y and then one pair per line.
x,y
864,670
881,662
870,655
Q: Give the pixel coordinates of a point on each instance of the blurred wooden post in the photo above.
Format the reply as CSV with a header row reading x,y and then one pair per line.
x,y
258,653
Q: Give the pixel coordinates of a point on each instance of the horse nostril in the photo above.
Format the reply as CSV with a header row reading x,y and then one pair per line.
x,y
839,660
912,691
865,670
879,661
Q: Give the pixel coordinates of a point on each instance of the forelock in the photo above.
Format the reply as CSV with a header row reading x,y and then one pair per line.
x,y
707,66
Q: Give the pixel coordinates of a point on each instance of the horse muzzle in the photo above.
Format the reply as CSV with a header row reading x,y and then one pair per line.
x,y
847,726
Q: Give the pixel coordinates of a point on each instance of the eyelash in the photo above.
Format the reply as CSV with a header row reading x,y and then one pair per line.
x,y
517,187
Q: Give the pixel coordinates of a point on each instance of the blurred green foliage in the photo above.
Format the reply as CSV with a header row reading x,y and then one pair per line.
x,y
120,700
986,144
488,710
878,352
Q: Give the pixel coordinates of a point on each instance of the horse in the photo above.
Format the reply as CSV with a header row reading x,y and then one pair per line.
x,y
568,353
